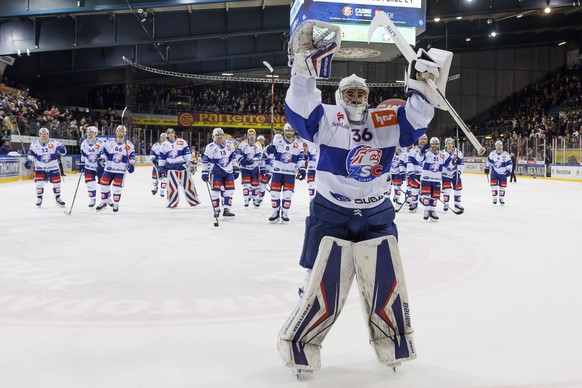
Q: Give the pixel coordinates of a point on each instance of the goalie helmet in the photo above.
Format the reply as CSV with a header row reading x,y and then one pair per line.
x,y
352,95
42,131
217,132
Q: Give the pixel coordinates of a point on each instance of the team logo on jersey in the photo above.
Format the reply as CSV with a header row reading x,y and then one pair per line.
x,y
340,116
384,118
46,158
363,163
435,167
286,157
224,161
117,158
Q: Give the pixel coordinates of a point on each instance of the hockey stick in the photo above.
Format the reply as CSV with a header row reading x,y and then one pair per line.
x,y
382,20
210,196
75,196
457,212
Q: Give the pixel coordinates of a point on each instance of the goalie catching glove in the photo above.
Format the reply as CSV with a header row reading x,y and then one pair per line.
x,y
312,48
429,69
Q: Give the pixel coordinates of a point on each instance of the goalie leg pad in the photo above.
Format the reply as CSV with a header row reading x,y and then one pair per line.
x,y
189,189
384,298
323,299
173,188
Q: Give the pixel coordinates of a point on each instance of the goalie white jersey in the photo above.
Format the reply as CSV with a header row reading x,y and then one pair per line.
x,y
355,158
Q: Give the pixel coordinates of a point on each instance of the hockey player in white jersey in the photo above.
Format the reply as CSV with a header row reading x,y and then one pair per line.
x,y
396,176
433,163
91,148
311,168
288,160
499,164
414,170
452,176
43,154
176,163
264,170
249,157
159,178
218,170
350,229
119,156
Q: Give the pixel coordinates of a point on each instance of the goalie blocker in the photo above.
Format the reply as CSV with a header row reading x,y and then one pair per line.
x,y
377,266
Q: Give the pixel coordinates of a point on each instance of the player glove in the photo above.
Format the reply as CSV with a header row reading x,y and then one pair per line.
x,y
424,149
130,168
236,174
486,171
302,174
28,164
246,162
507,173
456,161
81,167
205,176
155,161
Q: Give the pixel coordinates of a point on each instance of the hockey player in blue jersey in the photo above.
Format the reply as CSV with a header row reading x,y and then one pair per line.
x,y
351,230
499,164
43,154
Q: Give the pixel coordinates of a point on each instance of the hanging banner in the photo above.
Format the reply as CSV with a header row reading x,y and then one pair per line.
x,y
229,121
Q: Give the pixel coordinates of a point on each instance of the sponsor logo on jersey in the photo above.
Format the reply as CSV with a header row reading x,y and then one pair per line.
x,y
347,11
340,197
363,163
362,201
50,145
384,118
342,125
340,116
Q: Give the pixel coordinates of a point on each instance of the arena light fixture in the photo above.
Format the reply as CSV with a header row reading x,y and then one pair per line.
x,y
228,74
561,43
437,19
493,34
468,39
459,17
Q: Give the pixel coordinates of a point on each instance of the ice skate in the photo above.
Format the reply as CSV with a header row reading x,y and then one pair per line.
x,y
494,201
256,203
91,202
413,207
60,202
101,206
227,213
110,202
446,207
459,207
501,201
154,190
285,217
298,372
115,207
433,216
275,217
425,217
38,201
162,193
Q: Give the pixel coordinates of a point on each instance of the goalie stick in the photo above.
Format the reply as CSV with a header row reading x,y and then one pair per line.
x,y
382,20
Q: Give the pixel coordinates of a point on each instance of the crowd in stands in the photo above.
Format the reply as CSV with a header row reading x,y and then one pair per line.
x,y
545,110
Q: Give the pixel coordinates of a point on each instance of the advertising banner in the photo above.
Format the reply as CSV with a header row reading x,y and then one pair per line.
x,y
9,167
530,169
567,172
229,121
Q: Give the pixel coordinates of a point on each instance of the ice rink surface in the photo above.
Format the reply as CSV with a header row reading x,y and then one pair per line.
x,y
159,298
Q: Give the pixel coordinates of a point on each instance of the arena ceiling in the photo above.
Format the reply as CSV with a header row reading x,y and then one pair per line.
x,y
65,43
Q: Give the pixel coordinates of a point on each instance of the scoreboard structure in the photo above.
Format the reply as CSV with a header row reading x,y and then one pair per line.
x,y
354,17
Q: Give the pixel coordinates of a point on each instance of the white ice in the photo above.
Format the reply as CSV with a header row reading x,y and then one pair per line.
x,y
158,298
